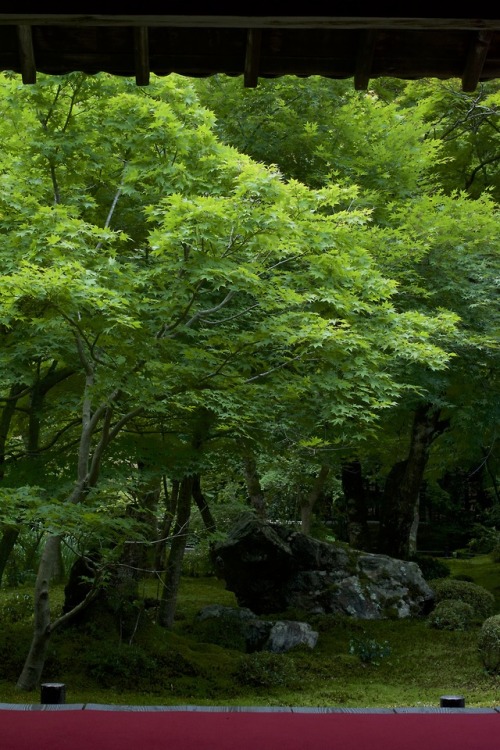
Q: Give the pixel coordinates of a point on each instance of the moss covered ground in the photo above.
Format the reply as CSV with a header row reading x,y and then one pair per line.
x,y
390,663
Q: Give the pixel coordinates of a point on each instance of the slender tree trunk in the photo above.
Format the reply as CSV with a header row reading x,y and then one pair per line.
x,y
356,505
6,416
491,474
171,500
37,393
202,505
307,505
138,556
255,493
412,540
33,666
89,465
7,543
9,533
403,484
168,602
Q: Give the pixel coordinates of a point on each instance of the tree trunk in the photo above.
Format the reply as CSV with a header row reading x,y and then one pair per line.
x,y
412,539
255,493
168,519
307,505
356,505
139,556
403,483
58,574
7,542
168,602
33,666
200,500
491,473
90,457
9,533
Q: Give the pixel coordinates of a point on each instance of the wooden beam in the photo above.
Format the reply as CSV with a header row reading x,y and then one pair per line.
x,y
26,54
364,60
252,58
476,57
141,53
484,19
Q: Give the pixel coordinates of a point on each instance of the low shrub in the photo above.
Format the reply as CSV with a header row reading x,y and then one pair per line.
x,y
451,614
265,669
489,644
16,608
369,650
480,599
120,666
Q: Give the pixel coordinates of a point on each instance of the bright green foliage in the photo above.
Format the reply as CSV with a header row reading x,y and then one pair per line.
x,y
319,130
467,127
168,299
150,272
418,153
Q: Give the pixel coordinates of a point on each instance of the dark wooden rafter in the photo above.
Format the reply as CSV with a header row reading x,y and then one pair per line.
x,y
141,53
476,57
26,54
252,57
364,60
191,41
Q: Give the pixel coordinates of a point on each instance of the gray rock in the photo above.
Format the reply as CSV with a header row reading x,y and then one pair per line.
x,y
272,569
219,611
261,635
287,634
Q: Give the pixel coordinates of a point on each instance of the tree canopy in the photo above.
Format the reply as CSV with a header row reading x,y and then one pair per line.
x,y
196,278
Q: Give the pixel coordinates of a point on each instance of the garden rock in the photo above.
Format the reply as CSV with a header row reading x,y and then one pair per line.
x,y
261,635
272,569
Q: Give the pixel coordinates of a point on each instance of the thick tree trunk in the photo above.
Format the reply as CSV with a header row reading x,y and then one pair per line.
x,y
168,602
403,483
307,505
356,505
33,666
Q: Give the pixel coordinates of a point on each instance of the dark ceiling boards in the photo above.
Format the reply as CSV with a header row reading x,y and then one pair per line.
x,y
197,43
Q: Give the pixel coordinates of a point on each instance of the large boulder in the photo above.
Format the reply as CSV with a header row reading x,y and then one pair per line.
x,y
272,569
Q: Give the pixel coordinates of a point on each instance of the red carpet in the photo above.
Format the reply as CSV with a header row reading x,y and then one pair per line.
x,y
240,730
